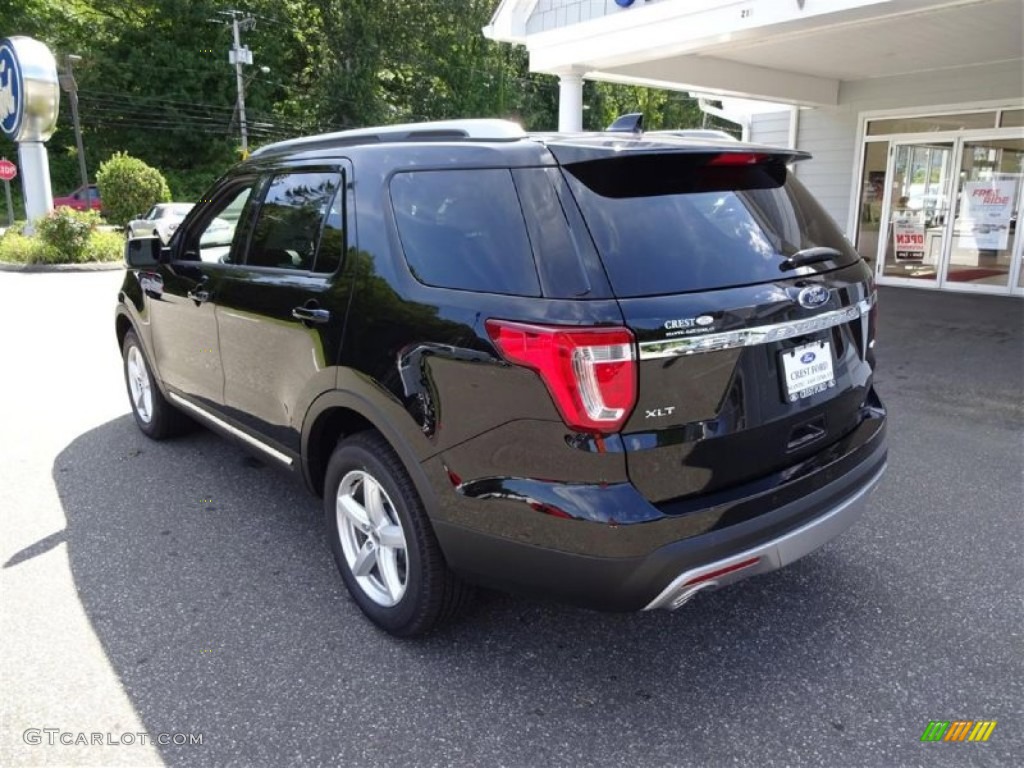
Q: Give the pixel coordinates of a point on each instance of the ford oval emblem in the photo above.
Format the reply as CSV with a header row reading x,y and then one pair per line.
x,y
807,357
12,101
813,296
705,320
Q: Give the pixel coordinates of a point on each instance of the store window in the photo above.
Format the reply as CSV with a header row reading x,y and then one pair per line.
x,y
1011,118
872,193
931,123
987,202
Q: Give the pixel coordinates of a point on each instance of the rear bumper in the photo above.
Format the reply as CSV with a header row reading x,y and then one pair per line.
x,y
616,566
771,555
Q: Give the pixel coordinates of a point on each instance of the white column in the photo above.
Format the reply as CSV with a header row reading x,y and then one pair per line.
x,y
35,180
570,102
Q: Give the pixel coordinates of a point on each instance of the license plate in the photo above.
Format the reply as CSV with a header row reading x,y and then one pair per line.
x,y
807,370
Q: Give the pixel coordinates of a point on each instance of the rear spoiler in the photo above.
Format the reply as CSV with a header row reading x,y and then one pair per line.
x,y
604,146
686,170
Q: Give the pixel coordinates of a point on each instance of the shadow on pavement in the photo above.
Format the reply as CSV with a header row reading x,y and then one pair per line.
x,y
207,580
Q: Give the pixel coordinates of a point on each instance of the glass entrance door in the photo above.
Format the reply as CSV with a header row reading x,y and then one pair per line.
x,y
917,204
985,228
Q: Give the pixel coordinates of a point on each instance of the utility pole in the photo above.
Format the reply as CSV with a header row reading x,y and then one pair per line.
x,y
67,82
239,56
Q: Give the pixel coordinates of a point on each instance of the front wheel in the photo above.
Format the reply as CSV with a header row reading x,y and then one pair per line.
x,y
156,417
382,540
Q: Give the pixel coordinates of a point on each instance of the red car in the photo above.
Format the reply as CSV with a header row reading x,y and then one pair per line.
x,y
83,198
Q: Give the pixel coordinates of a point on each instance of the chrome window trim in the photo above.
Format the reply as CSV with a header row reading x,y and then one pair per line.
x,y
749,337
244,436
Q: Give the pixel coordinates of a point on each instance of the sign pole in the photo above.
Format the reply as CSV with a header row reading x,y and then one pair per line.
x,y
10,205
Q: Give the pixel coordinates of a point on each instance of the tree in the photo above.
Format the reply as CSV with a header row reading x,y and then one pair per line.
x,y
155,82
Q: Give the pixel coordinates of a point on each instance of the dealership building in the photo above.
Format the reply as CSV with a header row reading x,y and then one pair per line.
x,y
913,110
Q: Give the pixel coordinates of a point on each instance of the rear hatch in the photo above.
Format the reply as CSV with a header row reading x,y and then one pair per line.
x,y
751,311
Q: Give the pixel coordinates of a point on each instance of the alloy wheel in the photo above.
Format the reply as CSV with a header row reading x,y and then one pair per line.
x,y
139,385
372,538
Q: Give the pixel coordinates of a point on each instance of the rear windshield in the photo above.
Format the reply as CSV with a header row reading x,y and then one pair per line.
x,y
673,224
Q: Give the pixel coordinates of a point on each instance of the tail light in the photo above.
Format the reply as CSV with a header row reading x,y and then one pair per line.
x,y
590,372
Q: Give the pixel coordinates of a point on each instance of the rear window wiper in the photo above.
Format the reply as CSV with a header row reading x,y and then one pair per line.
x,y
810,256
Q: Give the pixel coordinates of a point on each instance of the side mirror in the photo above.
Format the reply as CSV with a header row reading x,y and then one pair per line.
x,y
142,251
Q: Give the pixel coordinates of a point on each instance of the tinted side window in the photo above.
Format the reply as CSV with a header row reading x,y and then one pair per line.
x,y
464,229
211,236
287,227
332,239
562,249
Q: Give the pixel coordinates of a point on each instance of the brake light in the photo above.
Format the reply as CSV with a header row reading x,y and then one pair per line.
x,y
590,372
737,158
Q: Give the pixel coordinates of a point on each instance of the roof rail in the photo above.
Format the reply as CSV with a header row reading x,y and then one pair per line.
x,y
486,129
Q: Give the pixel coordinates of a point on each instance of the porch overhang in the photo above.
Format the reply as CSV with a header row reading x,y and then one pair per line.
x,y
789,51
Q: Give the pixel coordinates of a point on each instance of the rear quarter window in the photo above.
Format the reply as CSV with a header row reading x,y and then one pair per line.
x,y
464,229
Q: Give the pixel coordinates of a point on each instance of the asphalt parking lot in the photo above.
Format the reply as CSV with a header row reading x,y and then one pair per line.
x,y
185,588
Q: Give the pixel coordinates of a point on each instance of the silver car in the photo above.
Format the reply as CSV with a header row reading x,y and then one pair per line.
x,y
162,220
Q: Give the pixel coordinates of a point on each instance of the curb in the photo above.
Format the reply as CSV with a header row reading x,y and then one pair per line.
x,y
91,266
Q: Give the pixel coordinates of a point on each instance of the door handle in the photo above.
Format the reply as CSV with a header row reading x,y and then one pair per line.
x,y
199,295
311,314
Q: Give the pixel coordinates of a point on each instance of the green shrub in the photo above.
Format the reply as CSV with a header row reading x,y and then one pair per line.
x,y
59,239
105,246
66,232
18,249
129,187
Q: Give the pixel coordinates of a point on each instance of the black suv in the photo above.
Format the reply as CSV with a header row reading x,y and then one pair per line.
x,y
612,368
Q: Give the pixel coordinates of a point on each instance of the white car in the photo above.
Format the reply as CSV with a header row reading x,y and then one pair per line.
x,y
162,220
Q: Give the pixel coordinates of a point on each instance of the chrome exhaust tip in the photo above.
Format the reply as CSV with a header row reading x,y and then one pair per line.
x,y
687,593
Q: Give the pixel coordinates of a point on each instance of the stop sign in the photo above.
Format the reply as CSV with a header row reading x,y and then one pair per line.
x,y
8,170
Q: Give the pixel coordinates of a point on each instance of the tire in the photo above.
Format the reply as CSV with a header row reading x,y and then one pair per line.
x,y
386,552
156,417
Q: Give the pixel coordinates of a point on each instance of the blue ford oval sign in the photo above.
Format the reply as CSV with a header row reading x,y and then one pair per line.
x,y
807,357
12,91
813,296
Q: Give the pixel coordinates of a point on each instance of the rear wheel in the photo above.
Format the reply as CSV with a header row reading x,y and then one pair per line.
x,y
382,540
156,417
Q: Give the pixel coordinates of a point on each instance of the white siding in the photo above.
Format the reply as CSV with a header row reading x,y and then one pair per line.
x,y
554,14
771,128
830,135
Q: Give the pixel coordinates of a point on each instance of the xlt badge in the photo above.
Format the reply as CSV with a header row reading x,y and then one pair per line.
x,y
657,413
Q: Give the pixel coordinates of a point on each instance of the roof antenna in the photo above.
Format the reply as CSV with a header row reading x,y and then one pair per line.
x,y
631,123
